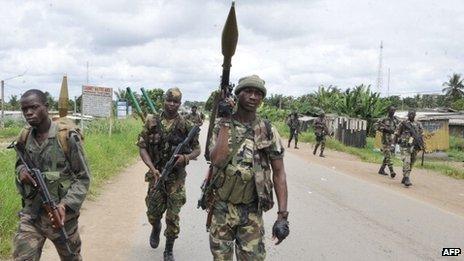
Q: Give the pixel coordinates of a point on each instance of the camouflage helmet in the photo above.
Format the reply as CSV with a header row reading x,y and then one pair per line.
x,y
252,81
173,93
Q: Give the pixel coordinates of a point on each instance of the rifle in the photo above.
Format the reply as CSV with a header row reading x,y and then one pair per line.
x,y
172,161
136,105
47,202
228,43
418,141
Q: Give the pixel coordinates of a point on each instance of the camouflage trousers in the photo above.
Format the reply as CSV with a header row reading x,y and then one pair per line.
x,y
170,201
239,226
32,233
387,154
293,135
320,141
408,155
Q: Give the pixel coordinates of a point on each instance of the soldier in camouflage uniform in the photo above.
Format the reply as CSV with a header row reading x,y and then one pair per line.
x,y
244,148
294,125
320,130
48,146
404,136
196,117
157,142
387,126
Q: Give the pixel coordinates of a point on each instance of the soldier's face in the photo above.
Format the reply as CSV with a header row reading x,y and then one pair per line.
x,y
35,112
391,112
250,99
171,104
194,110
411,116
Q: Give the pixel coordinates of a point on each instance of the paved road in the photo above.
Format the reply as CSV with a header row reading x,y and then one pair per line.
x,y
333,216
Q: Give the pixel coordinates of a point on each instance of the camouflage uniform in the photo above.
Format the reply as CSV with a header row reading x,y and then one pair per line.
x,y
67,182
388,127
320,130
408,152
243,190
160,145
294,125
196,118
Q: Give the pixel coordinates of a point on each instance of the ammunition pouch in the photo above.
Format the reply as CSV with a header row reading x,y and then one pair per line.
x,y
57,184
237,185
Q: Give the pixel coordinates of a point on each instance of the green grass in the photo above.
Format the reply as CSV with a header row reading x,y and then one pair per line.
x,y
106,156
9,132
369,154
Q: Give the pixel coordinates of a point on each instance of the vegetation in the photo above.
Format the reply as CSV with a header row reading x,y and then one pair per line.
x,y
106,156
454,88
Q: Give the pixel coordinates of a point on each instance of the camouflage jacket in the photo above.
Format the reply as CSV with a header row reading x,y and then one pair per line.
x,y
404,134
293,123
196,118
388,127
320,126
66,179
246,178
162,142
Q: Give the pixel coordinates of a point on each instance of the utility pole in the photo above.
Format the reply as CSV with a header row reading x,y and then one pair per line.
x,y
379,73
2,124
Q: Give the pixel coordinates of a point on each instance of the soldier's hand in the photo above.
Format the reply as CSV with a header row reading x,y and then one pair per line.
x,y
226,107
26,178
182,160
156,174
62,211
280,230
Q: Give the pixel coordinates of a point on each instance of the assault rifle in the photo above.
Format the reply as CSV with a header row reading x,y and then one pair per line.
x,y
418,141
172,161
47,202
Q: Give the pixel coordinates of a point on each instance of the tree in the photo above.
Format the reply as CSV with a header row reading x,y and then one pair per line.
x,y
14,103
121,94
454,88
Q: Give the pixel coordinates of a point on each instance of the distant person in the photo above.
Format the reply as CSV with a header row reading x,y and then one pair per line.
x,y
156,143
196,117
387,126
244,149
57,157
294,126
410,137
320,130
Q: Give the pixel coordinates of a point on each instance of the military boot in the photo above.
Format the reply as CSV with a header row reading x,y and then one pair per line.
x,y
392,172
168,253
382,170
407,182
402,180
315,150
288,146
296,146
155,234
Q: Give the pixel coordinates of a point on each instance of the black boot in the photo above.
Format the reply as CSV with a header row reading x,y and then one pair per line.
x,y
168,253
392,172
296,146
407,182
315,150
322,153
402,181
382,170
288,144
155,234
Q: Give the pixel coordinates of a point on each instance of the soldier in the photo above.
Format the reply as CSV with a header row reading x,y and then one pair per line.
x,y
320,130
388,127
409,136
195,117
158,140
294,125
50,149
244,148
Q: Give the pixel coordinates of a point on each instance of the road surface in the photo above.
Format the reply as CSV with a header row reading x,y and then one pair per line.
x,y
333,216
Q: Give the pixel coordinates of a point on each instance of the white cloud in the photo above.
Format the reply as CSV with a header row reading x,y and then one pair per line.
x,y
294,45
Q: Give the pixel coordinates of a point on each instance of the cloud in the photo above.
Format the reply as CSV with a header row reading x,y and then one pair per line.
x,y
294,45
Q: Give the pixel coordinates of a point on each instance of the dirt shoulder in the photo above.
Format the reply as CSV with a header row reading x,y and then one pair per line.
x,y
444,192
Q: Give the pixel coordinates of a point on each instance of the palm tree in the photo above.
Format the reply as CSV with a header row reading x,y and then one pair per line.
x,y
454,88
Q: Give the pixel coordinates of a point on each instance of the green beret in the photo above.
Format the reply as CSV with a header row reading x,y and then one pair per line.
x,y
174,93
252,81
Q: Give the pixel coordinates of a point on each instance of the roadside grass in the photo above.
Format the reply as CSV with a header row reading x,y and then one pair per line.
x,y
371,155
9,132
106,156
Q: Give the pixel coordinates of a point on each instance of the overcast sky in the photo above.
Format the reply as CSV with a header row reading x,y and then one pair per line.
x,y
294,45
